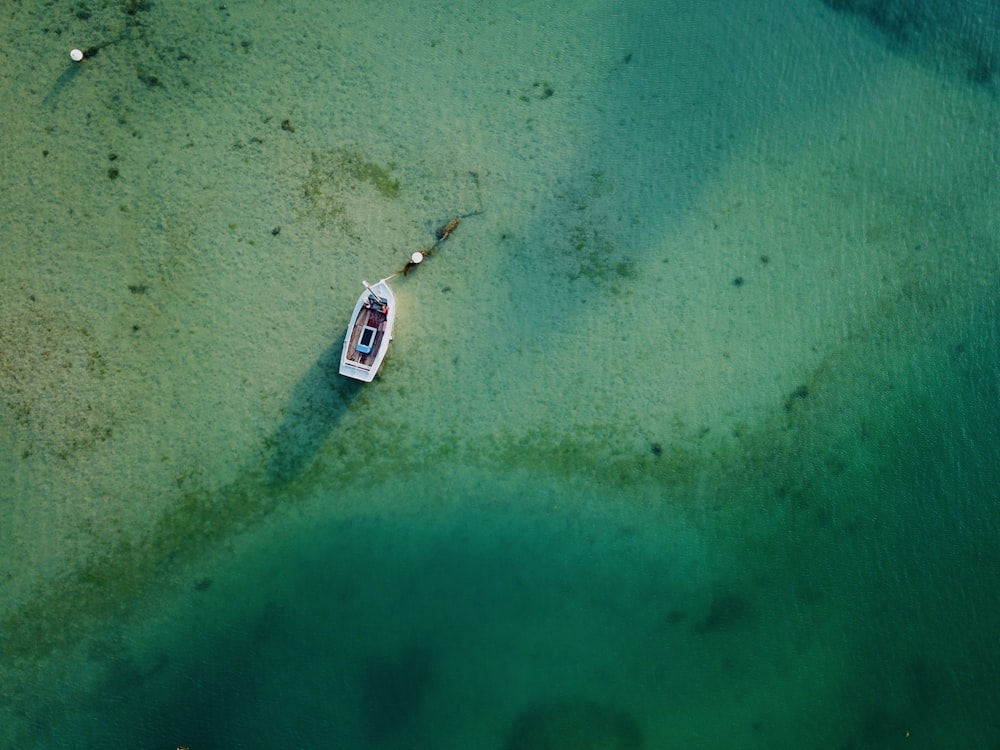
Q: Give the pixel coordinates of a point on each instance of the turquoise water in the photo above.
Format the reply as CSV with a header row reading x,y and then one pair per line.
x,y
689,439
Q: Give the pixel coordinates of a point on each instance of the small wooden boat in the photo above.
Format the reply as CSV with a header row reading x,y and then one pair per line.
x,y
369,333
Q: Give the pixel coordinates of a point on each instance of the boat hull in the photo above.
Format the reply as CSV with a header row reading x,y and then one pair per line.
x,y
369,332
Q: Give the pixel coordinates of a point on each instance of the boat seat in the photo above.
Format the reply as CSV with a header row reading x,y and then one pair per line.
x,y
367,340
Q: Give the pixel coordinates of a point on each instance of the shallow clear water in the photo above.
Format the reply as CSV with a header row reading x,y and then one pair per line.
x,y
689,439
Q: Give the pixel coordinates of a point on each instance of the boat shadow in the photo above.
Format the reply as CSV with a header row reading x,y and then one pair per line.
x,y
316,404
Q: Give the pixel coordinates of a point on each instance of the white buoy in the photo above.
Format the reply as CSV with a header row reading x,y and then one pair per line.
x,y
76,55
416,257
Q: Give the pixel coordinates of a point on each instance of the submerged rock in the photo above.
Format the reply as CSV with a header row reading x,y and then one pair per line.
x,y
725,611
573,725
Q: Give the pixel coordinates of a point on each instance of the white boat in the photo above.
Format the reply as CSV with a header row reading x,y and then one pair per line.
x,y
369,333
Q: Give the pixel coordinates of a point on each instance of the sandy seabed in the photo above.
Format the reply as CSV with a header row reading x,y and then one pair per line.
x,y
687,440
